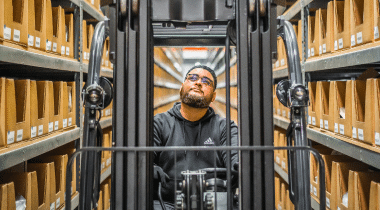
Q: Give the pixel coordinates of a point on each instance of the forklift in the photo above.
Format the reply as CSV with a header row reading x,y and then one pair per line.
x,y
134,27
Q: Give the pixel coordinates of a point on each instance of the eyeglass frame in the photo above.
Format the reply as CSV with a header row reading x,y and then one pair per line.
x,y
207,79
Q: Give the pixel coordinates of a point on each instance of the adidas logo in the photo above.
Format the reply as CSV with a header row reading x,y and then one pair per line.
x,y
209,141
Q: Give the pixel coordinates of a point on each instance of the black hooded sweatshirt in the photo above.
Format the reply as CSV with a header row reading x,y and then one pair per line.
x,y
171,129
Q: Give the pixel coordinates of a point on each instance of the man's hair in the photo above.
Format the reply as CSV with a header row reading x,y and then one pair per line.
x,y
212,72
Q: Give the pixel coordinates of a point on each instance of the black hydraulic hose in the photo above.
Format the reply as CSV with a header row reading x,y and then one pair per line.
x,y
160,196
290,164
228,119
97,169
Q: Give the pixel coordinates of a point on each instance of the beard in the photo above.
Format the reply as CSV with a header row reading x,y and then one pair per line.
x,y
195,101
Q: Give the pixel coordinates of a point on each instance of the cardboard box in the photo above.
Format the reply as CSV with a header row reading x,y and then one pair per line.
x,y
376,113
275,143
313,42
362,110
340,182
58,25
87,33
56,92
341,25
314,170
327,105
289,204
67,48
328,173
100,201
95,4
17,110
49,27
315,104
325,29
276,102
3,131
277,190
284,154
7,196
59,174
376,21
359,190
105,154
362,17
374,197
343,107
14,22
39,108
106,195
69,105
108,161
45,180
106,60
37,24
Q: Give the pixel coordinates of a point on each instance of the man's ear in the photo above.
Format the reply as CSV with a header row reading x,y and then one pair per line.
x,y
213,96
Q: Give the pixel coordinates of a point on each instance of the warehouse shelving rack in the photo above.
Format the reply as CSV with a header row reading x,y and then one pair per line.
x,y
47,66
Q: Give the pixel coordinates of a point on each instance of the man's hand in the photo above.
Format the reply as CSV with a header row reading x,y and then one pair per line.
x,y
160,175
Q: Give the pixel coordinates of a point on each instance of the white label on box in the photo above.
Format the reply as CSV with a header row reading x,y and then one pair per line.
x,y
277,63
321,123
353,42
102,112
377,138
283,112
16,35
30,40
309,119
58,203
63,50
64,123
108,161
33,131
361,134
341,129
336,129
38,42
376,32
103,166
10,137
67,51
279,207
336,45
51,126
282,62
311,188
338,208
92,1
308,53
320,49
278,112
56,125
324,48
55,47
326,124
315,191
340,43
354,133
111,65
48,45
19,134
70,121
327,202
7,33
283,164
359,37
313,121
52,206
84,56
40,129
278,160
312,51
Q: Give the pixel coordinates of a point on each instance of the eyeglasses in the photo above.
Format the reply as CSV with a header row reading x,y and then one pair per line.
x,y
195,77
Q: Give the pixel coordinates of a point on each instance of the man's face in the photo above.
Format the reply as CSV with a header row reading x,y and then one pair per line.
x,y
198,89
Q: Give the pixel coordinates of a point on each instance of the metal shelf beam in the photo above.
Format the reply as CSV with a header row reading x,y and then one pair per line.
x,y
351,58
364,155
106,122
282,73
89,9
295,9
23,57
105,174
32,148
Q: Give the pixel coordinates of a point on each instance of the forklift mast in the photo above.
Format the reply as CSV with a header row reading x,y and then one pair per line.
x,y
134,28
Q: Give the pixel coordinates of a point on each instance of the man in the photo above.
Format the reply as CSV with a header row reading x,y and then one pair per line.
x,y
191,122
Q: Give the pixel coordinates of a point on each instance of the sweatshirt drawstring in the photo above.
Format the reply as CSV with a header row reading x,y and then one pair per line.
x,y
183,133
199,136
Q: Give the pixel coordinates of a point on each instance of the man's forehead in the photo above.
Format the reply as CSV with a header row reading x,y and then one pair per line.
x,y
202,72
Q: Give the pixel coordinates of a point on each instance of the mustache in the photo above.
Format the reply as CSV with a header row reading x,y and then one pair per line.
x,y
196,89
